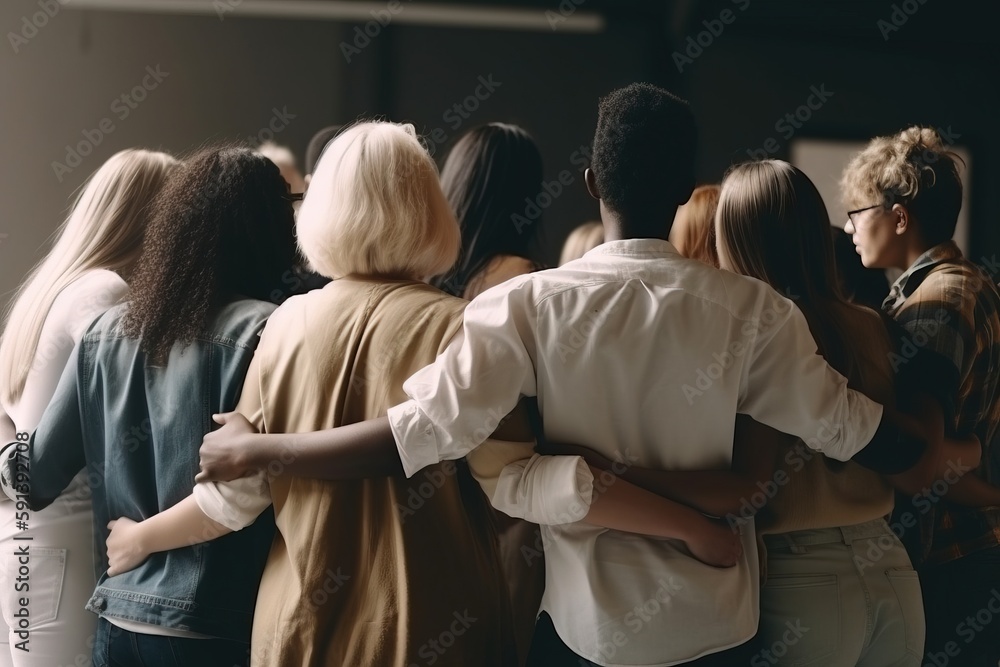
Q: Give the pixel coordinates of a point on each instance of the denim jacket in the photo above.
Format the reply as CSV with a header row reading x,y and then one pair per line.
x,y
137,429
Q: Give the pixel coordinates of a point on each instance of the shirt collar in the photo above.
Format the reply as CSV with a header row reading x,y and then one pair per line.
x,y
910,280
635,248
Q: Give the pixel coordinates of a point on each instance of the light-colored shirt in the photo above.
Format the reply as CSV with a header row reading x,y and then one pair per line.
x,y
645,356
73,310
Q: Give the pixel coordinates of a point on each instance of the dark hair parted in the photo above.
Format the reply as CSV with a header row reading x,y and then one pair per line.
x,y
492,174
644,151
222,226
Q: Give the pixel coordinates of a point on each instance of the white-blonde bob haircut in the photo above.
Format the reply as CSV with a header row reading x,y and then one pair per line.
x,y
375,208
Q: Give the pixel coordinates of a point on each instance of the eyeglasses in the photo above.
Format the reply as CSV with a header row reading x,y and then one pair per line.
x,y
850,214
295,196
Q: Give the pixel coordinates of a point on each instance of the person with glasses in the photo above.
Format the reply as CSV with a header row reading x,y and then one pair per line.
x,y
904,194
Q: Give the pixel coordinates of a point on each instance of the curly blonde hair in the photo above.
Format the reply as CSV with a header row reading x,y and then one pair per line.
x,y
914,168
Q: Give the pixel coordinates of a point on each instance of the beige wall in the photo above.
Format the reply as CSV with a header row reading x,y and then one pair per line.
x,y
223,80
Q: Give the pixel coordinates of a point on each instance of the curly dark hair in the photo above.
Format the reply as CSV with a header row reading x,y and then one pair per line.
x,y
222,226
644,151
490,176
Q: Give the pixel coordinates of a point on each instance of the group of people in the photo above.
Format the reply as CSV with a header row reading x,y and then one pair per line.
x,y
367,429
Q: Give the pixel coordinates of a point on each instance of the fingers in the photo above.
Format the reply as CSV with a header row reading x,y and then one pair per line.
x,y
111,524
202,476
223,417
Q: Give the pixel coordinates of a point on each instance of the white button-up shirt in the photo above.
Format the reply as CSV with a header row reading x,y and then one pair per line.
x,y
645,356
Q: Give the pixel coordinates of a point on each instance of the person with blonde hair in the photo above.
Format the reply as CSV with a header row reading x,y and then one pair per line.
x,y
693,231
138,395
84,274
581,240
385,571
904,194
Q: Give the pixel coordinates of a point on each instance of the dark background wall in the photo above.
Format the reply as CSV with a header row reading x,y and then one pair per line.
x,y
226,78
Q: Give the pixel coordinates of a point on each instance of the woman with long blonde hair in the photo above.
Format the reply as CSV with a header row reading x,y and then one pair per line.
x,y
83,275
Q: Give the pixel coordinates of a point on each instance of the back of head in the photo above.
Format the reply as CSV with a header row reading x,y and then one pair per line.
x,y
772,225
913,168
488,178
317,144
283,157
223,227
582,240
375,208
693,231
644,153
104,230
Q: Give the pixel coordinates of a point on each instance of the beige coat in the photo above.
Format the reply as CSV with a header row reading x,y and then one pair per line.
x,y
378,572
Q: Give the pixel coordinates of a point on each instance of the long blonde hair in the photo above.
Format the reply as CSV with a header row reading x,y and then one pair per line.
x,y
772,224
104,230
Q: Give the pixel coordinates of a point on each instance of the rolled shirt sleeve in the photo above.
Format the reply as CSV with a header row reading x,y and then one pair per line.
x,y
791,388
547,490
459,400
235,504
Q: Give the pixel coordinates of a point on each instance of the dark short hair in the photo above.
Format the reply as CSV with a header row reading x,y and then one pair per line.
x,y
318,143
644,150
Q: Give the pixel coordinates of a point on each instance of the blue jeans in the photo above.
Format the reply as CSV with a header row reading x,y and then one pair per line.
x,y
114,647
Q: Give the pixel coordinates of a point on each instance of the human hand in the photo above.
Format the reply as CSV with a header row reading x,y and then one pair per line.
x,y
225,452
716,544
126,548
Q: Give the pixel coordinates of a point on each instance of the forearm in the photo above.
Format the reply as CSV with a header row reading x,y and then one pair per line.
x,y
182,525
715,492
355,451
625,507
973,491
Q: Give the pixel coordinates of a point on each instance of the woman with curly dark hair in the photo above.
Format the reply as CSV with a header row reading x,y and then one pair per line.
x,y
134,404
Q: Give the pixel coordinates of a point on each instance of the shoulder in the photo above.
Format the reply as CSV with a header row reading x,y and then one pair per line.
x,y
93,292
239,322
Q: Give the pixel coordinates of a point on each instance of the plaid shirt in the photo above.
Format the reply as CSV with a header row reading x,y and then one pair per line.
x,y
950,306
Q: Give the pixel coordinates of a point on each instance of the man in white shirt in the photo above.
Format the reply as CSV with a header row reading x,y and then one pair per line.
x,y
633,351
